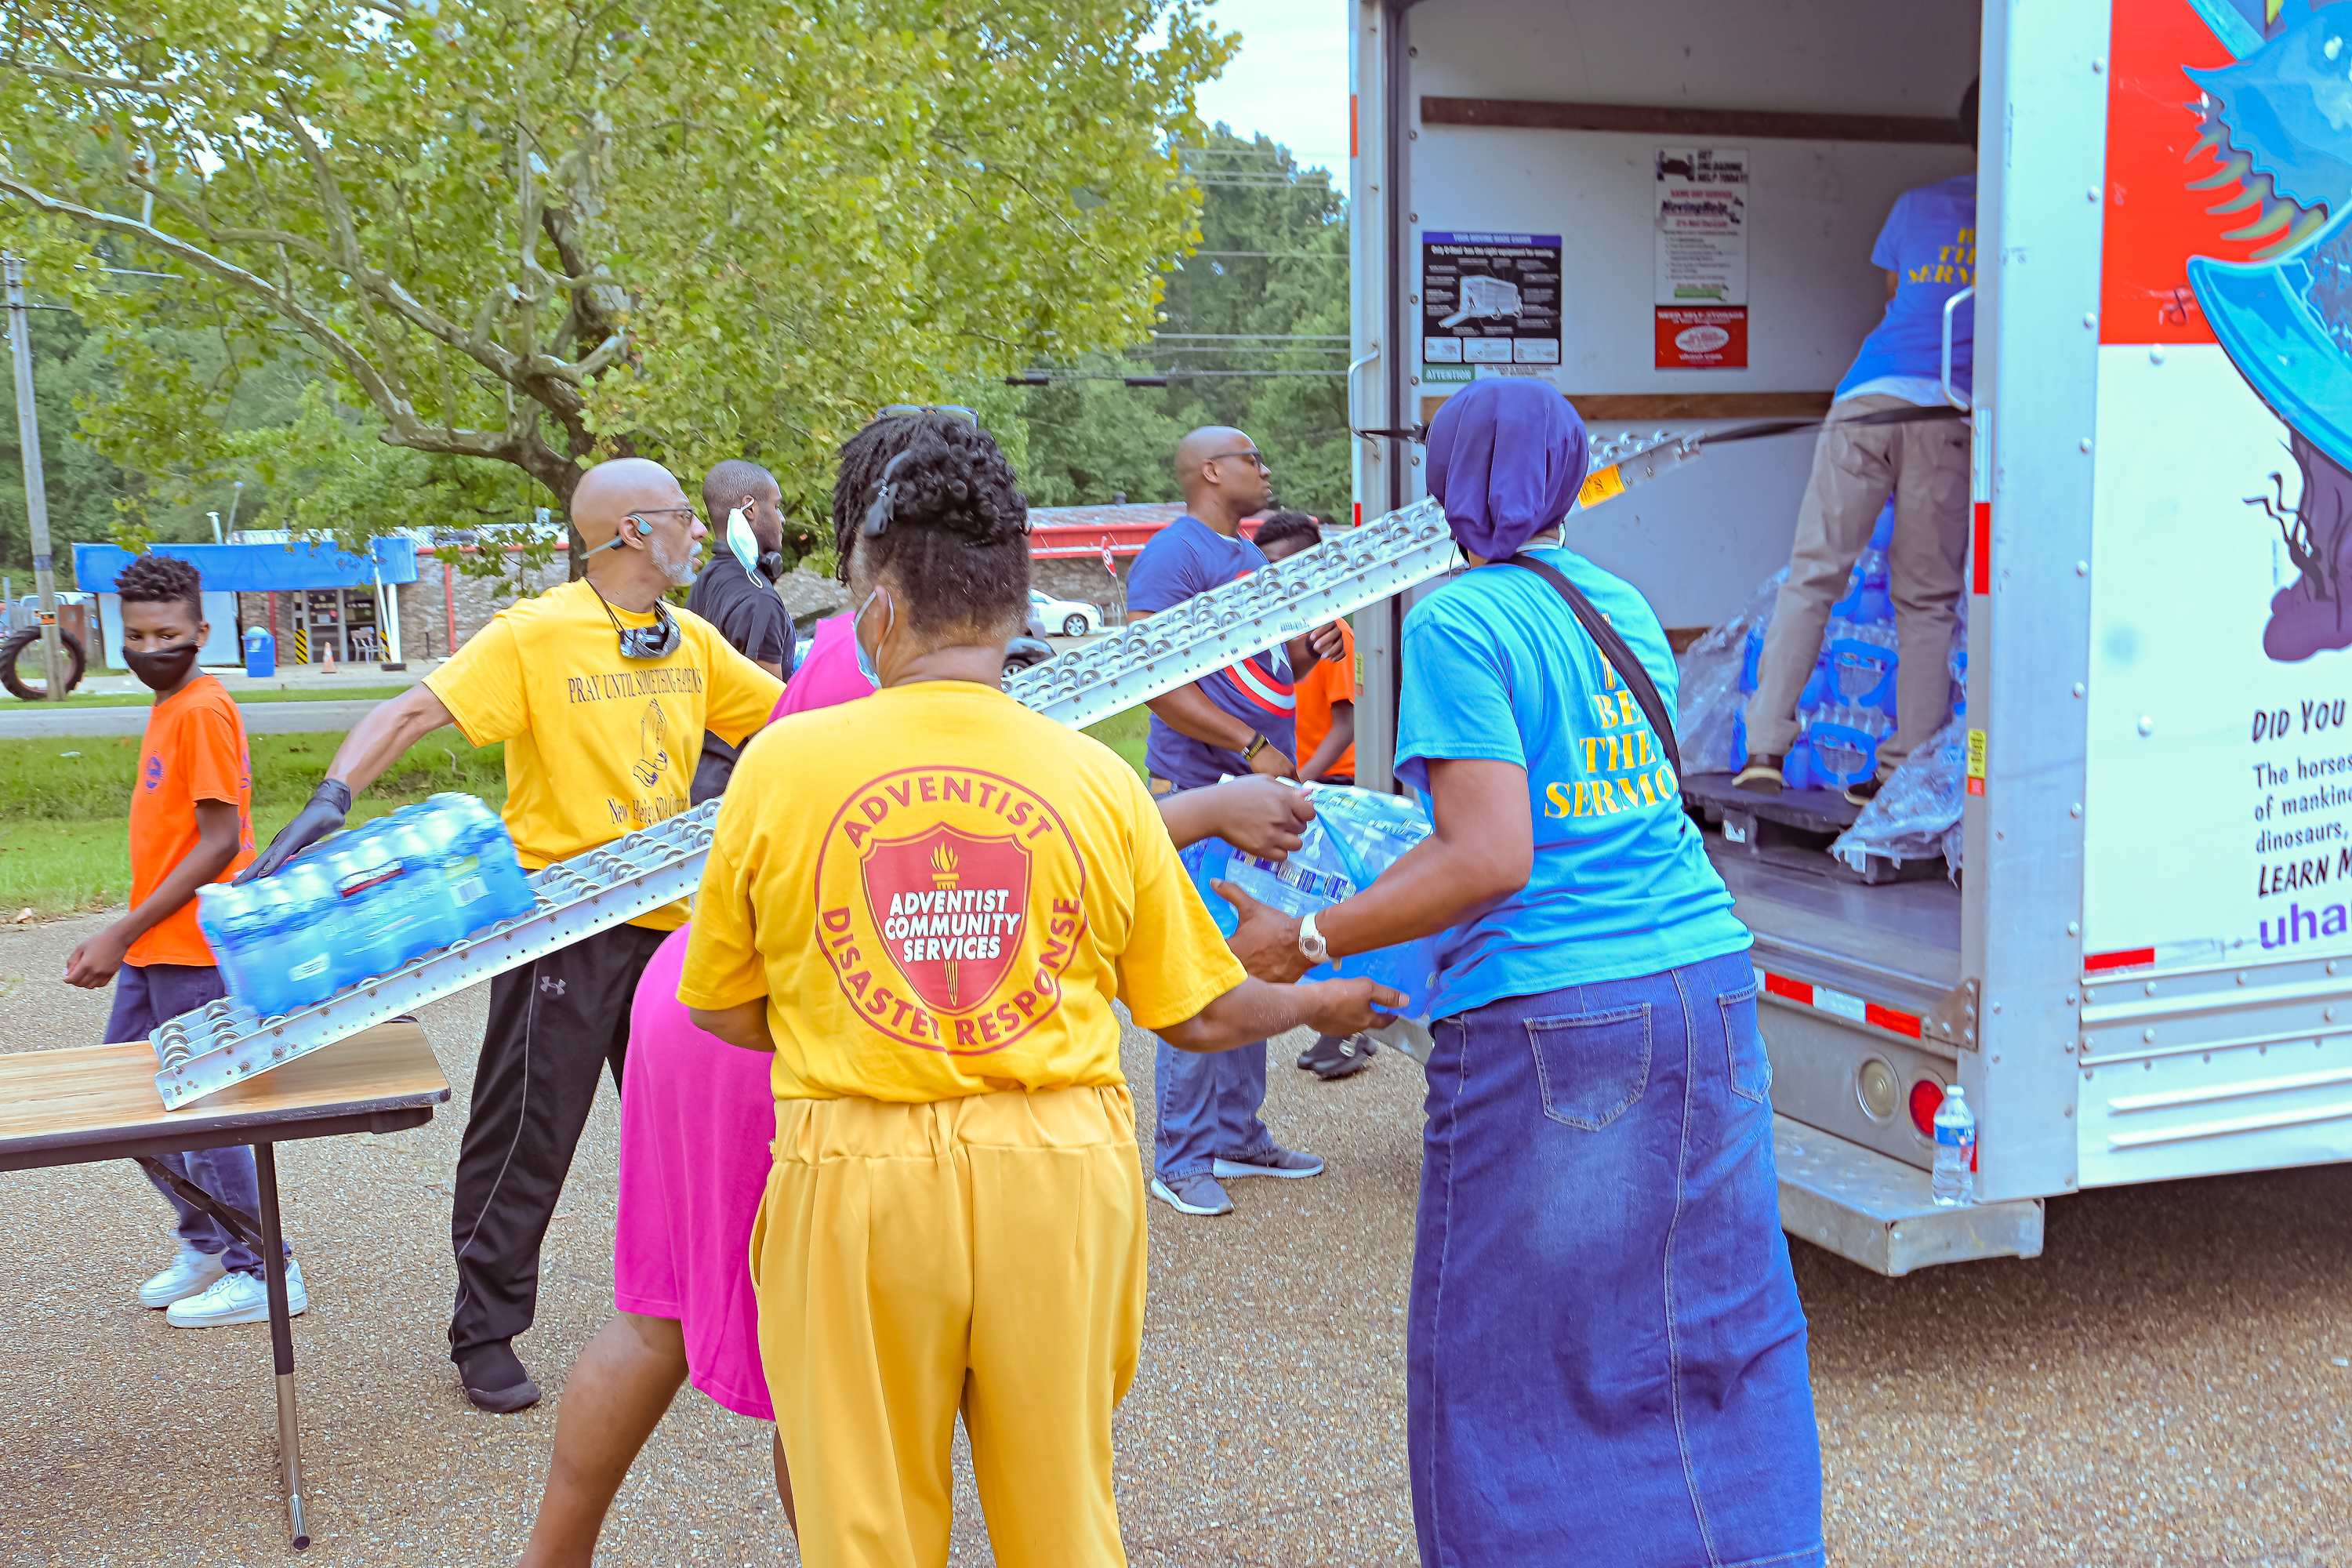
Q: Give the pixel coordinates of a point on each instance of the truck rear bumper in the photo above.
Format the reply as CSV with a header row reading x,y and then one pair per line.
x,y
1876,1211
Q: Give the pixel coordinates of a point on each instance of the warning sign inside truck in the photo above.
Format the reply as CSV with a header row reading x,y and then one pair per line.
x,y
1490,299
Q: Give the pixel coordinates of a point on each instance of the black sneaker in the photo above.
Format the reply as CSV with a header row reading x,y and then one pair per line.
x,y
495,1381
1761,775
1331,1057
1865,791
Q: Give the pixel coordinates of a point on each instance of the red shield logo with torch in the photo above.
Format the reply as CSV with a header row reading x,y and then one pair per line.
x,y
952,908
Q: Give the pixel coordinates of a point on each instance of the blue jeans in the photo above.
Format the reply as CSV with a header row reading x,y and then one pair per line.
x,y
1605,1359
1207,1106
144,996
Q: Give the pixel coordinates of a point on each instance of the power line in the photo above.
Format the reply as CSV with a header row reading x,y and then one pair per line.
x,y
1174,373
1289,255
1254,337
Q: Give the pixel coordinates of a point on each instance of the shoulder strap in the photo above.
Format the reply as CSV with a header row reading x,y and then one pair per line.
x,y
1614,649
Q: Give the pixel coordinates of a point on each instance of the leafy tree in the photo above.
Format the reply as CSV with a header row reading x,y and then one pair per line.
x,y
83,485
1271,272
540,233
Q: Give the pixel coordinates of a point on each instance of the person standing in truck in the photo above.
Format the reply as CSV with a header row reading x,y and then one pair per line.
x,y
1928,250
1236,721
1604,1345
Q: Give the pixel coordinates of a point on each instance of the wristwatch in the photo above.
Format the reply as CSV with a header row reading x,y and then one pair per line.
x,y
1257,743
1311,942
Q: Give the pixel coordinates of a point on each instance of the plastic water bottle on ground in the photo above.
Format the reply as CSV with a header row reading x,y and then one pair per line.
x,y
1955,1151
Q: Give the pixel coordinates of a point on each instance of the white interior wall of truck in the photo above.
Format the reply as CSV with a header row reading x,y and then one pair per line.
x,y
1699,542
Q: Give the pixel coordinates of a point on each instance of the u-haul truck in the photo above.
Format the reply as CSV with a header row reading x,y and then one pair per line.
x,y
1667,211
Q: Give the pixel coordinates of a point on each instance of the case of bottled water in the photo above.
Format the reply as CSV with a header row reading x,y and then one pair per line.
x,y
1357,834
359,905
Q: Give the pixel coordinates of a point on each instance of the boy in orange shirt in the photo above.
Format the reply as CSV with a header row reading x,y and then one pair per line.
x,y
1326,753
191,823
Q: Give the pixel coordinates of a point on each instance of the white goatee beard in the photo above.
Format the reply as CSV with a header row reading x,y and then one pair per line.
x,y
679,571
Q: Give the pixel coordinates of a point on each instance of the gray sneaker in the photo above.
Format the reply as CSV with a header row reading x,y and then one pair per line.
x,y
1275,1161
1198,1195
1334,1055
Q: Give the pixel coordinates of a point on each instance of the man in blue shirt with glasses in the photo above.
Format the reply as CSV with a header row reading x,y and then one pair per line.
x,y
1241,719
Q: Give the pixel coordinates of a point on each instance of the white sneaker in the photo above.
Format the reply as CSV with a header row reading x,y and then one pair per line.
x,y
238,1299
189,1273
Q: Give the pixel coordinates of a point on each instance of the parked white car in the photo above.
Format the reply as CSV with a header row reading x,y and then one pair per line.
x,y
1049,617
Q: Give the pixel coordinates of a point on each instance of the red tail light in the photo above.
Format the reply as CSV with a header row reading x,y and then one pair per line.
x,y
1926,1098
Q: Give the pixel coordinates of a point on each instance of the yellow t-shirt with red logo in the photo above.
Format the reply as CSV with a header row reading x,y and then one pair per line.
x,y
597,745
940,893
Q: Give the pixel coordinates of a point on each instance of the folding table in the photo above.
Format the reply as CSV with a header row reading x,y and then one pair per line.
x,y
99,1102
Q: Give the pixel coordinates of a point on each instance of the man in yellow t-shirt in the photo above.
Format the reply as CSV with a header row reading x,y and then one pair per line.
x,y
925,904
602,694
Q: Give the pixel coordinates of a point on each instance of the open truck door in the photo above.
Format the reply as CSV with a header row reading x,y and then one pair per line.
x,y
2132,972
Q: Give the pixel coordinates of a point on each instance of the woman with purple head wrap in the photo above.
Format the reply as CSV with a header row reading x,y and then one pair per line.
x,y
1505,461
1606,1358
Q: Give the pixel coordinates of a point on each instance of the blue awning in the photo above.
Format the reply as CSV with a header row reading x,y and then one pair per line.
x,y
261,568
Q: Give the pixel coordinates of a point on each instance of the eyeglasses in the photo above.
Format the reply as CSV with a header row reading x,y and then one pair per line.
x,y
951,410
1256,457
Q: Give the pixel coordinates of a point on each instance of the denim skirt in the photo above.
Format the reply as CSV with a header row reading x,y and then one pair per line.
x,y
1606,1360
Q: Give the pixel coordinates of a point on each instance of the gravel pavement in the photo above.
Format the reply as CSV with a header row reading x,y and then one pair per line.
x,y
2168,1385
31,722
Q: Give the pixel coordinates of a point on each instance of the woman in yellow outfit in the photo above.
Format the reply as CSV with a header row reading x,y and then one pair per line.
x,y
925,904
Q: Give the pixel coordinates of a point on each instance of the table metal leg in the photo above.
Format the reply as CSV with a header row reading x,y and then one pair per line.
x,y
281,1344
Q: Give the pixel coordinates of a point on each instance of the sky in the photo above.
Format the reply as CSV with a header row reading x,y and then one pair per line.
x,y
1290,80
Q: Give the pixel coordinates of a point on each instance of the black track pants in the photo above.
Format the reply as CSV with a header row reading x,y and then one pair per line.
x,y
554,1024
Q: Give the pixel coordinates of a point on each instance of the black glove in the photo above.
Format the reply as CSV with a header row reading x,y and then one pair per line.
x,y
329,804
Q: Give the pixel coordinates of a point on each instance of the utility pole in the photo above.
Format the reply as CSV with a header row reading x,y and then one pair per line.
x,y
37,494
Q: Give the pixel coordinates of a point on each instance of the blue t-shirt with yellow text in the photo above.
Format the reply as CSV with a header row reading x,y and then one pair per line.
x,y
1496,669
1929,243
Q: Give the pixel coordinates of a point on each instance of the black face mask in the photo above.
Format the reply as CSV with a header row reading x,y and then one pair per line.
x,y
162,669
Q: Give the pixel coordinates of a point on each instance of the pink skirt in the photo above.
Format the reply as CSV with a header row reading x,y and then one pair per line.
x,y
697,1119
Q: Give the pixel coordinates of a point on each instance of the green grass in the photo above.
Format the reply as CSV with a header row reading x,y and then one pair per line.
x,y
1126,734
64,801
272,694
63,844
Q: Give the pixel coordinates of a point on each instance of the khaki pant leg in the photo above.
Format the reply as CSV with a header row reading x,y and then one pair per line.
x,y
1058,1317
862,1262
1926,568
1853,473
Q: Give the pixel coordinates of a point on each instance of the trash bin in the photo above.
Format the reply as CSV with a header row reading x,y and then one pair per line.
x,y
260,653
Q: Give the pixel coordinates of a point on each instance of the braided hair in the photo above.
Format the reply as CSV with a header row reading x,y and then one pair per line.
x,y
957,541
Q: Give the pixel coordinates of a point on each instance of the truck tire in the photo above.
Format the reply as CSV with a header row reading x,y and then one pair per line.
x,y
14,650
